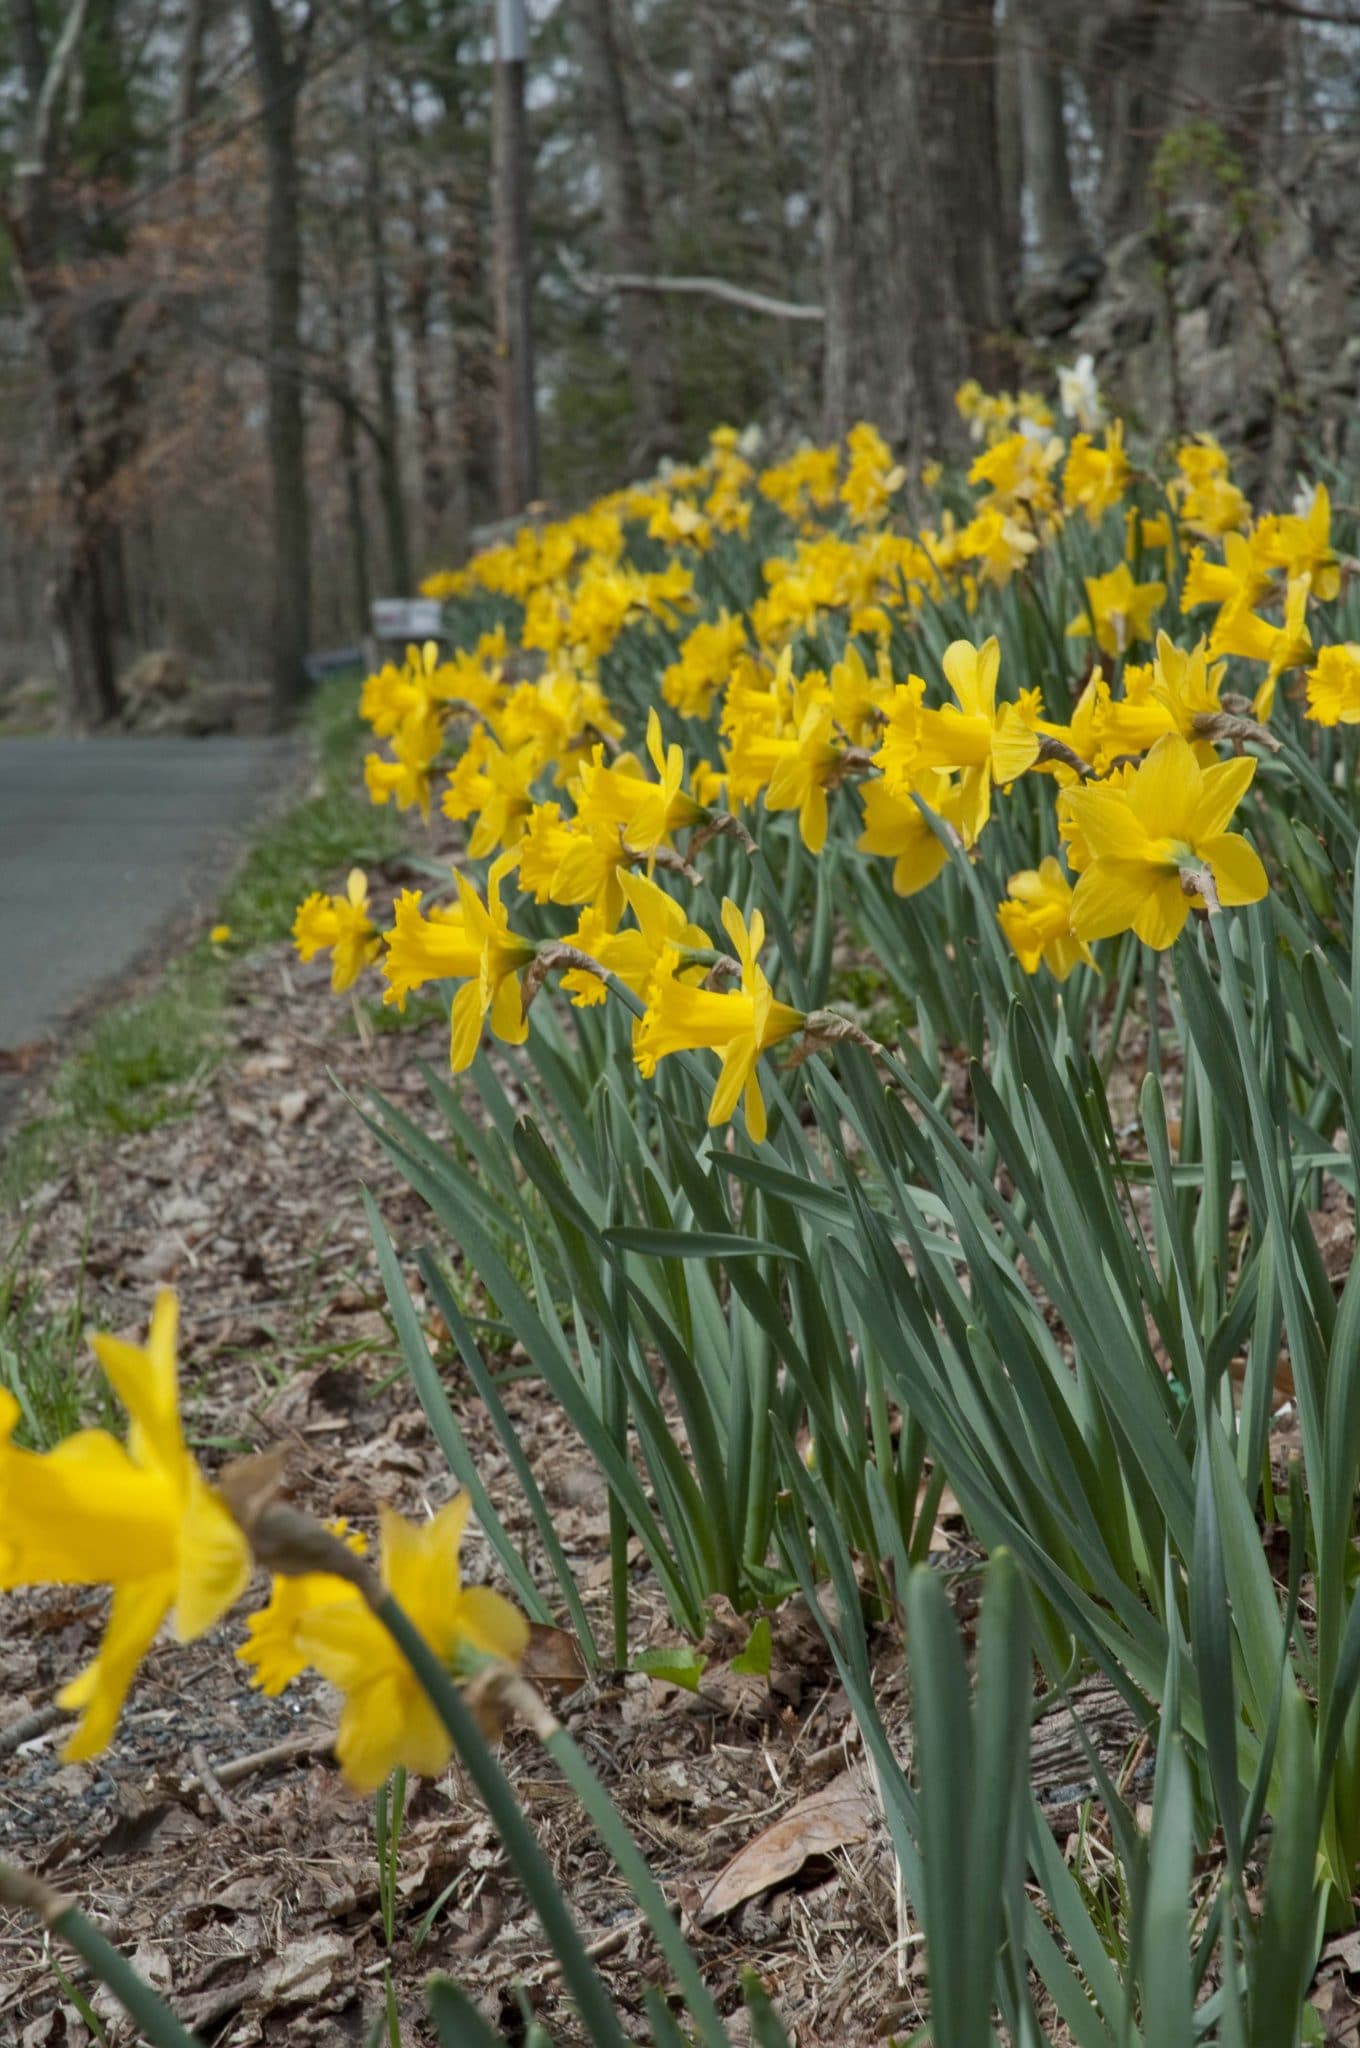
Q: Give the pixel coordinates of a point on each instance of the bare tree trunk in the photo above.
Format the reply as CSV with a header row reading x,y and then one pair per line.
x,y
82,644
628,224
1060,231
912,212
188,80
472,379
517,405
1131,51
1009,141
384,341
433,486
865,370
356,522
280,75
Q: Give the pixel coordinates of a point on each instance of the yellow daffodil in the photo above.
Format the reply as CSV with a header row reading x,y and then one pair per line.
x,y
388,698
988,743
546,841
138,1517
739,1024
405,781
1118,611
493,996
1094,479
871,477
1238,582
270,1651
1171,694
1281,647
1334,685
632,953
494,787
860,700
1167,820
1209,501
387,1718
618,795
703,665
1016,471
1300,543
1037,920
341,926
809,762
897,827
433,945
998,543
807,479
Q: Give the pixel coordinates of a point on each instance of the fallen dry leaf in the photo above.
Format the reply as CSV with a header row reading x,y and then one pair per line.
x,y
553,1658
838,1816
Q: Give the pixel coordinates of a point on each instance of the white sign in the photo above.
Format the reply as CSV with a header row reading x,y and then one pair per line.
x,y
406,618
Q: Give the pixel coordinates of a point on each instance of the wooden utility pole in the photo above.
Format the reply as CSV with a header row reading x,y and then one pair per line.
x,y
517,422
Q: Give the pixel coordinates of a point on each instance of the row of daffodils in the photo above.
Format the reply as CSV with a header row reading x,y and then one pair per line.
x,y
758,636
803,698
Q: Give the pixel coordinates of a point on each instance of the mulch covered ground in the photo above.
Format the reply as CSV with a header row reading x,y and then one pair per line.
x,y
216,1842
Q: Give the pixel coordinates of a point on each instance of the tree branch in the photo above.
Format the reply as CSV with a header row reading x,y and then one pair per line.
x,y
38,142
601,284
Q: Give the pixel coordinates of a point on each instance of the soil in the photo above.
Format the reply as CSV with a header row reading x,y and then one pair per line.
x,y
248,1890
216,1843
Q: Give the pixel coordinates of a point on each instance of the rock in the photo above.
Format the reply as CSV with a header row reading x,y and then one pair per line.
x,y
1301,271
161,674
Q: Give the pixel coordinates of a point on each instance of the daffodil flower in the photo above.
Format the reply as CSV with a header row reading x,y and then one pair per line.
x,y
1235,584
1094,478
423,946
387,1718
493,996
469,942
138,1517
618,795
1143,839
494,787
1280,647
631,954
983,741
270,1652
340,925
897,827
739,1024
1118,611
1037,920
1334,685
405,781
1300,543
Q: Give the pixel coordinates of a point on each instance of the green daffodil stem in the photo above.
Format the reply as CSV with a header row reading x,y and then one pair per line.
x,y
499,1686
517,1838
64,1920
519,1699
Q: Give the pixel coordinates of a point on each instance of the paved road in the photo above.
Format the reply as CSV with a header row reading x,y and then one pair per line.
x,y
102,842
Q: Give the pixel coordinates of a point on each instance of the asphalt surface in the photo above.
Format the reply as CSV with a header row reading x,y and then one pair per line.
x,y
103,843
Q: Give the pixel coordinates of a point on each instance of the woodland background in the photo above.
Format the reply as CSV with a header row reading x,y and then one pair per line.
x,y
248,255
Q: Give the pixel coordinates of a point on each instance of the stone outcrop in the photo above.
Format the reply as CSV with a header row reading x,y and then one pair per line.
x,y
1264,320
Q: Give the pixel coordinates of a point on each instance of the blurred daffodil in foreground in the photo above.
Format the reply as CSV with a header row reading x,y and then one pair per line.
x,y
320,1620
138,1517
